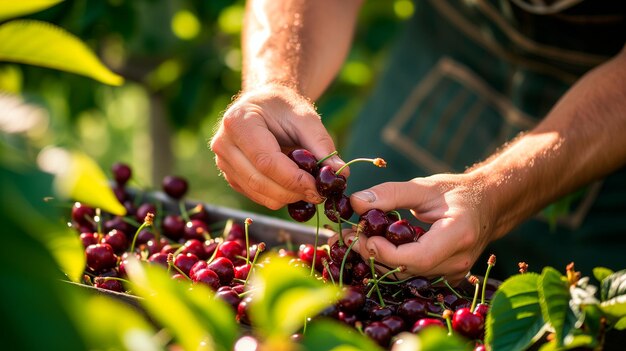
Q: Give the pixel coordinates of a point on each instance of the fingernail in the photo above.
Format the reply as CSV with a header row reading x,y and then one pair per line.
x,y
366,196
312,197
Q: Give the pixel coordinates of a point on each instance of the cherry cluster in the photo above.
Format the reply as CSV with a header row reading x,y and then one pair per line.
x,y
181,242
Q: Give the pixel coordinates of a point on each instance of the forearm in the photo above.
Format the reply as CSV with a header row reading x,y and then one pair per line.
x,y
299,44
582,139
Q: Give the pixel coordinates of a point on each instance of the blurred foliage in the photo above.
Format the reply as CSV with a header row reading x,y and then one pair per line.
x,y
181,60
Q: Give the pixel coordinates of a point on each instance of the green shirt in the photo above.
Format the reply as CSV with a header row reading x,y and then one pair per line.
x,y
465,77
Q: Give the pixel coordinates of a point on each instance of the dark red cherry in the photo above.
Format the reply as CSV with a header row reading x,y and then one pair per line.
x,y
468,324
175,187
400,232
338,205
119,223
482,309
426,322
461,303
158,259
305,253
121,173
242,271
352,301
242,310
100,257
346,317
231,250
89,238
373,222
301,211
236,232
377,313
224,269
418,286
227,294
332,273
208,278
419,231
395,324
144,236
195,247
117,239
337,253
108,284
120,193
305,160
413,309
184,262
196,229
173,227
83,215
360,271
143,210
202,264
379,332
330,184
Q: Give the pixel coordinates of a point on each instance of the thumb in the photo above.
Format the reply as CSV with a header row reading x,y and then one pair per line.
x,y
317,140
388,196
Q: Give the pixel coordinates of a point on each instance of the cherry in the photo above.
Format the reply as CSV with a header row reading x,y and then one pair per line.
x,y
330,184
241,272
377,313
224,269
338,205
334,270
118,223
301,211
158,258
196,229
184,262
108,284
197,267
413,309
83,215
480,347
231,250
143,210
208,278
419,231
120,193
468,324
373,222
379,332
144,236
100,257
89,239
305,253
423,323
229,296
352,301
173,226
418,286
482,309
346,317
121,173
460,303
360,271
236,232
400,232
175,187
305,160
394,323
117,239
337,252
201,213
209,247
195,247
242,310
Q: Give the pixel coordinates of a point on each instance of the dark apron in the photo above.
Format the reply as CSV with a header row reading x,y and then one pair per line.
x,y
464,78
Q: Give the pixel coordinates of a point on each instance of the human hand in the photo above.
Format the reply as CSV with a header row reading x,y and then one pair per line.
x,y
456,206
255,134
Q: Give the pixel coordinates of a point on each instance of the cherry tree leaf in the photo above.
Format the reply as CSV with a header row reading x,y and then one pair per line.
x,y
515,317
327,335
613,285
600,273
42,44
12,8
554,298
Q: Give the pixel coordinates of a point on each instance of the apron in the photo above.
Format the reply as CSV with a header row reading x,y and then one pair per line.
x,y
465,77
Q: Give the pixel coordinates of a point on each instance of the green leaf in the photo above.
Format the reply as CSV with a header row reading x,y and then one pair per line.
x,y
431,339
327,335
12,8
600,273
614,308
554,298
579,341
284,296
515,317
81,179
614,285
620,324
196,319
42,44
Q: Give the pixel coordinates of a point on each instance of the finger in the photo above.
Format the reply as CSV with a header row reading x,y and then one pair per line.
x,y
388,196
262,152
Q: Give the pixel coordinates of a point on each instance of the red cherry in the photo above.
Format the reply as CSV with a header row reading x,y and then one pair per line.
x,y
422,323
482,309
352,301
305,160
117,239
208,278
468,324
83,215
338,205
400,232
196,229
158,259
337,252
184,262
175,187
394,323
173,226
121,173
108,284
305,253
143,210
100,257
224,269
241,272
89,238
379,332
373,222
330,184
301,211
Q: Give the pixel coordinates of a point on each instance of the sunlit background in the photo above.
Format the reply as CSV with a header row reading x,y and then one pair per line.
x,y
182,64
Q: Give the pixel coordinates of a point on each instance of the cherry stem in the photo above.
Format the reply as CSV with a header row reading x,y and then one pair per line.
x,y
445,281
131,221
116,278
482,297
380,280
380,296
396,282
183,211
396,213
325,264
371,160
143,225
341,242
214,254
430,314
317,235
172,265
449,324
98,220
259,249
437,281
327,157
343,261
246,226
476,291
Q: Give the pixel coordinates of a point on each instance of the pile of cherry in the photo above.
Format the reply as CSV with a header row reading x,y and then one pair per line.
x,y
221,256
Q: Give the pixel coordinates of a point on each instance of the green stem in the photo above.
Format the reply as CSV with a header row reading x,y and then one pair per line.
x,y
259,249
396,282
380,296
341,242
445,281
172,265
371,160
449,324
396,213
143,225
317,235
343,261
476,290
246,226
482,297
183,211
327,157
330,274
